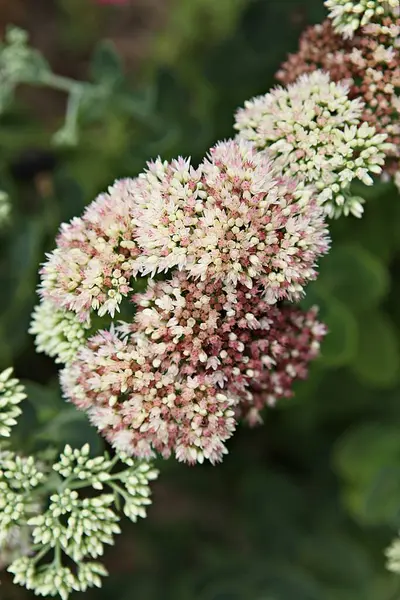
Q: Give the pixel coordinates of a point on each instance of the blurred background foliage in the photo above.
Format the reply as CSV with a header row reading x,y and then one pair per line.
x,y
302,507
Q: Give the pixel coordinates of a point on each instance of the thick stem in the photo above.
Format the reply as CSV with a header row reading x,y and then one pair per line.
x,y
64,84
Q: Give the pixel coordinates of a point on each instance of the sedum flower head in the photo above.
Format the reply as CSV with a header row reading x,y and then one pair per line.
x,y
55,579
58,333
199,326
77,465
11,394
197,355
369,62
313,132
293,339
348,15
95,257
231,221
141,410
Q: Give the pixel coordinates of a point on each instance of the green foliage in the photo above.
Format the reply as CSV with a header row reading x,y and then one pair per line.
x,y
368,460
187,23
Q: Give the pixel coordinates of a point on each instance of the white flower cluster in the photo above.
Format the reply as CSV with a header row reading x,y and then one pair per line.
x,y
348,15
56,579
74,526
58,333
5,207
11,394
87,524
393,556
313,132
19,477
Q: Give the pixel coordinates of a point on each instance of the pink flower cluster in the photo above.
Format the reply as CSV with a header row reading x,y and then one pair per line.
x,y
95,258
369,63
209,342
195,359
230,221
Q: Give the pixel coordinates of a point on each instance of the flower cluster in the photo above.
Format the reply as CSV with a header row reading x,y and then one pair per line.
x,y
369,63
347,16
58,333
230,239
11,395
196,357
204,263
19,476
393,556
312,131
95,256
139,408
78,527
68,525
294,338
73,527
230,221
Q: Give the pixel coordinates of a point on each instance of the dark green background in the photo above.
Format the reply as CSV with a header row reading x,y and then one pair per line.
x,y
302,507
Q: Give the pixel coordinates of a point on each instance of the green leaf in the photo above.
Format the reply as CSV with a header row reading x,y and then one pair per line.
x,y
352,565
57,422
362,452
382,498
354,276
71,199
368,458
46,400
378,230
377,360
339,346
70,427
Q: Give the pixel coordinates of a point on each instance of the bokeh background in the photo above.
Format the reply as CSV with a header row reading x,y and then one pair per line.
x,y
302,507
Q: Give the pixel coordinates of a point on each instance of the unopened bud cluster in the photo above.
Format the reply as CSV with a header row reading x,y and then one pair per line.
x,y
54,515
